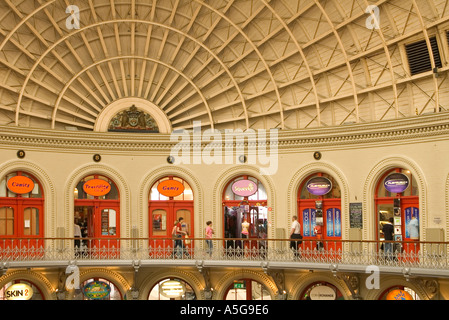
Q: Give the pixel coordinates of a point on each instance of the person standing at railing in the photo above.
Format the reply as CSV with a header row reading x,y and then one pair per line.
x,y
388,231
295,234
179,232
209,233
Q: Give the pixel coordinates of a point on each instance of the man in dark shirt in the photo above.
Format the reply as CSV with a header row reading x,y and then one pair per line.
x,y
388,231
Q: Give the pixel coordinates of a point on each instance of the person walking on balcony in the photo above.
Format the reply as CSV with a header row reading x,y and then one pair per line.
x,y
209,233
388,231
295,235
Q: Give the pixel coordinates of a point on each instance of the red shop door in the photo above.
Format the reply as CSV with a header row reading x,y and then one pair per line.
x,y
163,216
102,219
22,226
325,238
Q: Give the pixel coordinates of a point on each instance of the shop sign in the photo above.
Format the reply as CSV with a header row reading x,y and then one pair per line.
x,y
172,289
19,291
399,295
396,182
20,184
322,293
97,187
170,188
244,188
96,290
319,186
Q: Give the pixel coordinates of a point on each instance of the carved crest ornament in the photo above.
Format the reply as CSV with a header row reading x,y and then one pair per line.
x,y
133,120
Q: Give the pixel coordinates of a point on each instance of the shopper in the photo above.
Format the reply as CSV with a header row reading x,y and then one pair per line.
x,y
209,233
295,234
388,231
178,242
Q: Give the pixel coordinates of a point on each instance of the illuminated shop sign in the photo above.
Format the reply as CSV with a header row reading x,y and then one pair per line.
x,y
20,184
97,187
322,293
396,182
319,186
170,188
244,188
172,289
399,295
19,291
96,290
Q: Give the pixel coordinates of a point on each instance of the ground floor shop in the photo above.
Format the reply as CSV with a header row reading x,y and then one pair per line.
x,y
174,283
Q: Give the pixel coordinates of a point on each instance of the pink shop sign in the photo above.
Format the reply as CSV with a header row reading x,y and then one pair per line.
x,y
244,188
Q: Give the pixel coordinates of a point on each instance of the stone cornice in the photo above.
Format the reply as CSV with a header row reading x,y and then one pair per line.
x,y
409,130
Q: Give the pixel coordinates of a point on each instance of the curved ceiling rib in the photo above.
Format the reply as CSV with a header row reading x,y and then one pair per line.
x,y
229,64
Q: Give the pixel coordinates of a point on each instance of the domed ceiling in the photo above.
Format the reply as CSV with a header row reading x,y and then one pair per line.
x,y
288,64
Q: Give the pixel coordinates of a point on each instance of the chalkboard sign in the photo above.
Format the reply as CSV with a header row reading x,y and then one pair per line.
x,y
355,215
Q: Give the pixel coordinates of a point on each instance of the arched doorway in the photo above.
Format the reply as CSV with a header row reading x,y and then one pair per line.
x,y
21,212
245,214
247,289
170,199
319,212
97,213
397,202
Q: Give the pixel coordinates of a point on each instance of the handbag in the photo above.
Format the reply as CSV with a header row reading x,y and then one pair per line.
x,y
187,240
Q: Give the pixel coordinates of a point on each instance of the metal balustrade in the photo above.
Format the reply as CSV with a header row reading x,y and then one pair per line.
x,y
432,256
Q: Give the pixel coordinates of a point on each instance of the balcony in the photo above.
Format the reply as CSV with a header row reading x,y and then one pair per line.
x,y
406,258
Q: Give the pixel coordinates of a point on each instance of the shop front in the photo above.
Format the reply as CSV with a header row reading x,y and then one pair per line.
x,y
21,213
397,208
97,216
245,215
170,199
319,213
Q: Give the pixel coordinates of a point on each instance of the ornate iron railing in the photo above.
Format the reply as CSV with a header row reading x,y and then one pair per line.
x,y
426,255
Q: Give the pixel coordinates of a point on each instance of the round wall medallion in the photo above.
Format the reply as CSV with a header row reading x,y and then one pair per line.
x,y
21,154
97,158
242,159
171,159
317,155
